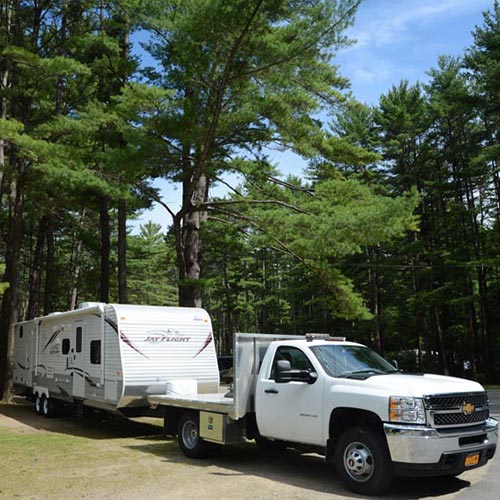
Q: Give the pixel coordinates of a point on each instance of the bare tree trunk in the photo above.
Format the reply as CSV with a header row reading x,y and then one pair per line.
x,y
192,249
122,204
48,306
75,275
105,251
8,316
36,271
4,85
76,266
443,358
122,252
374,294
419,310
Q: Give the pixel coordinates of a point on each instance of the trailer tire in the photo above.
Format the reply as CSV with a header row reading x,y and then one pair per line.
x,y
38,403
190,442
49,407
363,462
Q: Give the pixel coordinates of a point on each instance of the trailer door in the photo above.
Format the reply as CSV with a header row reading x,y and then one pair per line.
x,y
79,363
31,352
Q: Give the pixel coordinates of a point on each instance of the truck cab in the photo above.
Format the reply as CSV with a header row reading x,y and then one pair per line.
x,y
371,420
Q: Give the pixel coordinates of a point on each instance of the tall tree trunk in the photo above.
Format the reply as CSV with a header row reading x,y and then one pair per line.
x,y
263,316
76,266
36,271
192,249
4,83
374,294
443,358
75,275
105,250
122,252
8,316
50,270
419,307
122,204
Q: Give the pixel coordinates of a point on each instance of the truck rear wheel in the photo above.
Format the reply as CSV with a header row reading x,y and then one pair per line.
x,y
362,461
190,442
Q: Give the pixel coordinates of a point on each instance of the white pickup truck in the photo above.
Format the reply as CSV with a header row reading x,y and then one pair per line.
x,y
339,399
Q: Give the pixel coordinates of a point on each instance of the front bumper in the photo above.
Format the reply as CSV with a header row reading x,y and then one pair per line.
x,y
425,451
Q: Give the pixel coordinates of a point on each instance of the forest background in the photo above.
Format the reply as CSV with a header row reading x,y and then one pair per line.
x,y
391,236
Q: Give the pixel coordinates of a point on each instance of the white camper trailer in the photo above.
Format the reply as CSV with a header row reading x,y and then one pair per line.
x,y
112,356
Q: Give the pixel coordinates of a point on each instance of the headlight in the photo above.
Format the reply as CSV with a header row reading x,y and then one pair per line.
x,y
406,410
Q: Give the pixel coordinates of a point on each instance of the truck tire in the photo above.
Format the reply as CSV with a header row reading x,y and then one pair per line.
x,y
190,442
363,462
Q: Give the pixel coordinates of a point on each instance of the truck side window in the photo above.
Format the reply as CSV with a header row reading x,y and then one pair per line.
x,y
65,346
298,360
95,352
79,333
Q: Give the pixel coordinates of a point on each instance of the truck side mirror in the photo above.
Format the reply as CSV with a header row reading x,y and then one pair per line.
x,y
283,371
311,377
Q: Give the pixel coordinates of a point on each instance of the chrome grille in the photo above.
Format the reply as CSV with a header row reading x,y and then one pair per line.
x,y
445,419
455,400
457,410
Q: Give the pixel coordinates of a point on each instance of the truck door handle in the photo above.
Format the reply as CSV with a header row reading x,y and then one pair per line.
x,y
271,391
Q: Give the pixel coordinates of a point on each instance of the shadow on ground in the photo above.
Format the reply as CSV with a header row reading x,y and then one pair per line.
x,y
293,468
93,425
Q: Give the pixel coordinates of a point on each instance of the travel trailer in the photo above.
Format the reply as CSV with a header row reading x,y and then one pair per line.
x,y
112,356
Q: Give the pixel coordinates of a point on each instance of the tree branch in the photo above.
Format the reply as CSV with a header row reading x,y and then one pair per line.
x,y
215,204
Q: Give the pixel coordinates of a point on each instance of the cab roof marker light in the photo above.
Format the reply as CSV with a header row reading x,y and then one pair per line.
x,y
323,336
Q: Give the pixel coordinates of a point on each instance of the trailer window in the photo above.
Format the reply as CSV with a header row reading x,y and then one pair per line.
x,y
95,352
21,332
79,334
65,346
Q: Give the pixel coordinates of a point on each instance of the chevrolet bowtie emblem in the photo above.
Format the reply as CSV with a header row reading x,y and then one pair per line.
x,y
468,408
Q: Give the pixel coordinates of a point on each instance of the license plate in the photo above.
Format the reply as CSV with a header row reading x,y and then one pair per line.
x,y
471,460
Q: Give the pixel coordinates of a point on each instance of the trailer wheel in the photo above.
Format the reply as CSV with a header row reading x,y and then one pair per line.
x,y
49,407
362,461
190,442
38,404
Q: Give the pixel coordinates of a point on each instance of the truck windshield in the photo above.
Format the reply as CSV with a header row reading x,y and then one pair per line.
x,y
351,361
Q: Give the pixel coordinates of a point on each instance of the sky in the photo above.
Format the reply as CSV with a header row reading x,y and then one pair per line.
x,y
402,39
395,40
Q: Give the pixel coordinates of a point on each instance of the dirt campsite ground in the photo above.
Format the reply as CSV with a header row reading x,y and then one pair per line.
x,y
98,457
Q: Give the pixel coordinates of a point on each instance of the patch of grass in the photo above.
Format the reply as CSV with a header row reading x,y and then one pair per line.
x,y
77,458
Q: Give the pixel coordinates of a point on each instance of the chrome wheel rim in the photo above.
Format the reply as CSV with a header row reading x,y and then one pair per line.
x,y
190,434
359,462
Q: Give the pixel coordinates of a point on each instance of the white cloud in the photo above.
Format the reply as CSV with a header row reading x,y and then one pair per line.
x,y
381,23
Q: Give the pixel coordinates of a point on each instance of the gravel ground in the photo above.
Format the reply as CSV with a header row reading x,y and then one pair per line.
x,y
96,457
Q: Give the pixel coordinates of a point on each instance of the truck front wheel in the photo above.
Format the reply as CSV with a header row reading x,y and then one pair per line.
x,y
362,461
190,442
